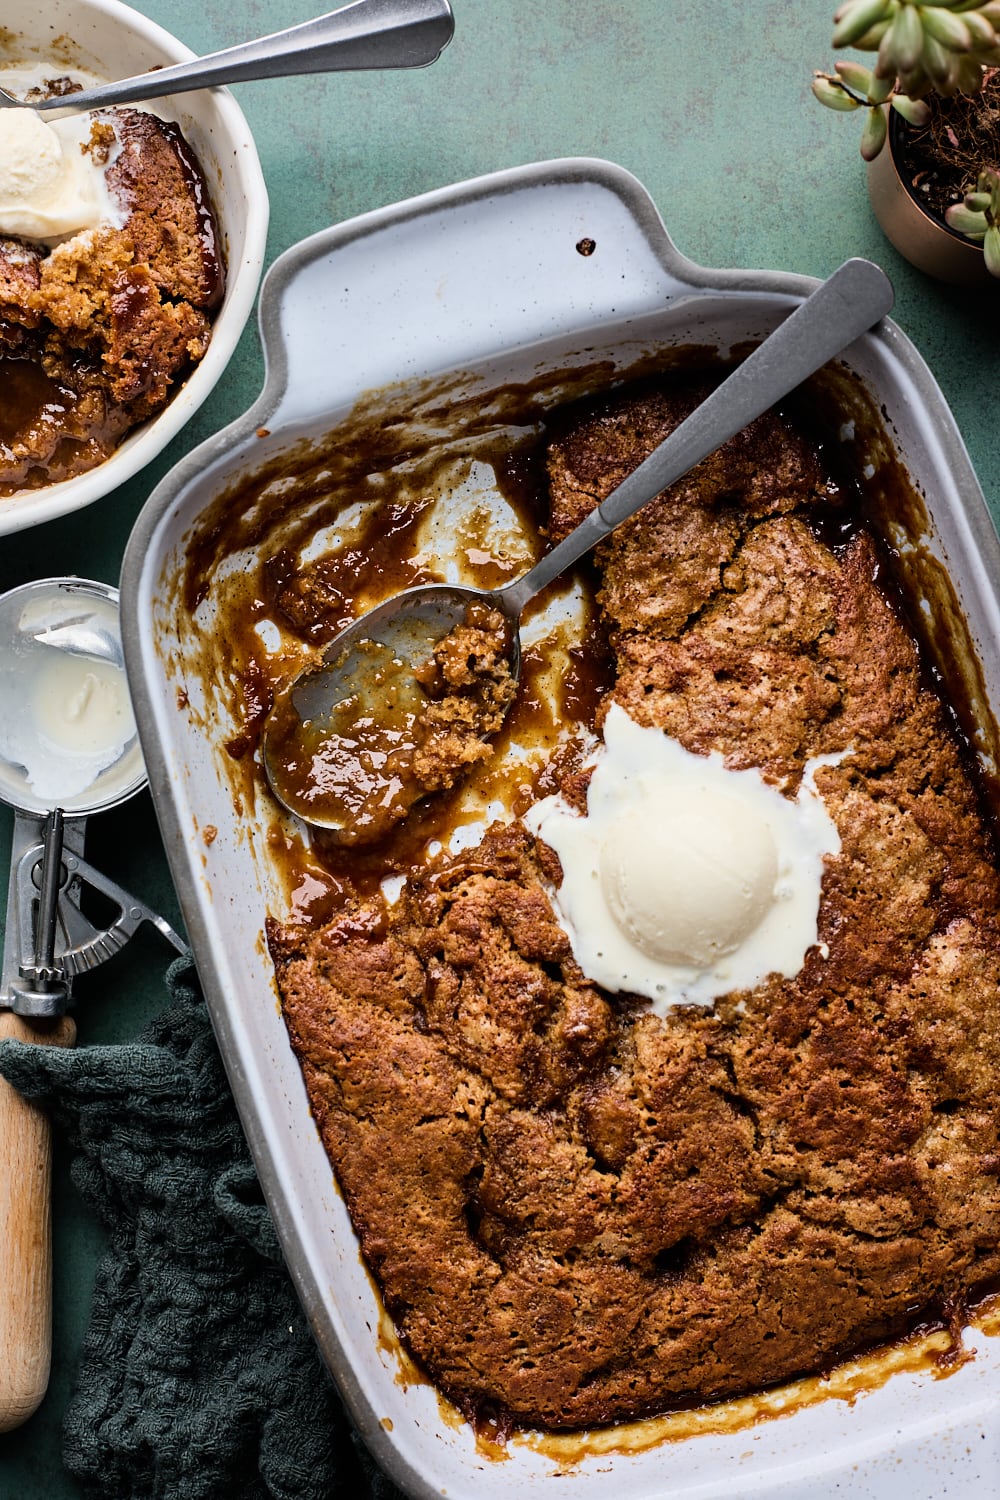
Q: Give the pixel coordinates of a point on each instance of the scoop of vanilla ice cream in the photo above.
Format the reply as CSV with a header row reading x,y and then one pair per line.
x,y
49,187
686,880
30,154
689,873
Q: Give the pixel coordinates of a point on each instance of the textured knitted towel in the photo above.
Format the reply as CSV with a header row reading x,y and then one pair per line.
x,y
198,1378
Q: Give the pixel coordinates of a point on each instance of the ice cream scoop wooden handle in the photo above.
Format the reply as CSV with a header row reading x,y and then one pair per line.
x,y
25,1233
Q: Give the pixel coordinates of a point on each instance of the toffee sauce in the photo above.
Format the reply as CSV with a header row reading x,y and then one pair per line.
x,y
932,1345
398,468
44,437
208,237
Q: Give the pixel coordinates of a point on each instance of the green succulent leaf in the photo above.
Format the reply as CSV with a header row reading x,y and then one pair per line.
x,y
965,221
983,34
881,90
915,111
855,75
940,64
855,18
989,183
906,38
874,134
947,29
833,94
872,38
991,249
978,202
901,51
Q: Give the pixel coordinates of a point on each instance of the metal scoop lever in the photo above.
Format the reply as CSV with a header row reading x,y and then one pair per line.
x,y
53,938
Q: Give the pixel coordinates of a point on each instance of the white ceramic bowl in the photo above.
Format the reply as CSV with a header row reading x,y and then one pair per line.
x,y
111,40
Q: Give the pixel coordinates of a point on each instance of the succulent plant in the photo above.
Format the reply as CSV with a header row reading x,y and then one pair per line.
x,y
856,87
940,47
978,217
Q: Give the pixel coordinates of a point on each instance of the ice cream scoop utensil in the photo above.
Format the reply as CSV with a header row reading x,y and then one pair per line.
x,y
842,308
48,939
367,34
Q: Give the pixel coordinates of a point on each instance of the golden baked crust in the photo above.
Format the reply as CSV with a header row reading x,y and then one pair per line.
x,y
579,1212
158,181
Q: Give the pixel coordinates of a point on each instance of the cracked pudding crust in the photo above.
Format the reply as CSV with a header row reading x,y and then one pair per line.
x,y
579,1212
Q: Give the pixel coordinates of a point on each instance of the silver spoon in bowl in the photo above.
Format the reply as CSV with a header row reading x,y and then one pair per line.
x,y
365,34
367,673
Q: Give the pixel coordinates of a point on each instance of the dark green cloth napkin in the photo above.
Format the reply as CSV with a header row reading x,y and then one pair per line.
x,y
198,1378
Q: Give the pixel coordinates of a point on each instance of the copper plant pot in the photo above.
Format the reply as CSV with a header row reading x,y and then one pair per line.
x,y
924,240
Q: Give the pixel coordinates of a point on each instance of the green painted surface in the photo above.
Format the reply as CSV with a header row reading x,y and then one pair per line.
x,y
709,105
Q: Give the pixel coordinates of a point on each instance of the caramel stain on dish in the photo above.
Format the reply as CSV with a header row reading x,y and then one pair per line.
x,y
491,1433
369,492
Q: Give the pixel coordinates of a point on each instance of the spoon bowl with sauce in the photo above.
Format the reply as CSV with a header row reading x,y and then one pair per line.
x,y
411,692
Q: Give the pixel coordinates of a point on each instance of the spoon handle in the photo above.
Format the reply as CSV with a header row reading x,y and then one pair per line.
x,y
364,34
841,309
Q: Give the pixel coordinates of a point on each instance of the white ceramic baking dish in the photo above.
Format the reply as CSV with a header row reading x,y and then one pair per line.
x,y
473,289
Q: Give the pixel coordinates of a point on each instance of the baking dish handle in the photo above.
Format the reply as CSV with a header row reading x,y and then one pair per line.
x,y
451,277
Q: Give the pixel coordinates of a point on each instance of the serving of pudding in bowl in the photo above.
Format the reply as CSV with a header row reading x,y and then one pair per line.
x,y
110,275
131,243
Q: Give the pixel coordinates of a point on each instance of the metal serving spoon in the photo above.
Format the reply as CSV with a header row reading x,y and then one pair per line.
x,y
365,34
375,657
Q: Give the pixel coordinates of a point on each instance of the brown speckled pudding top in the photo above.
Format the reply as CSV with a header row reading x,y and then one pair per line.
x,y
579,1212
